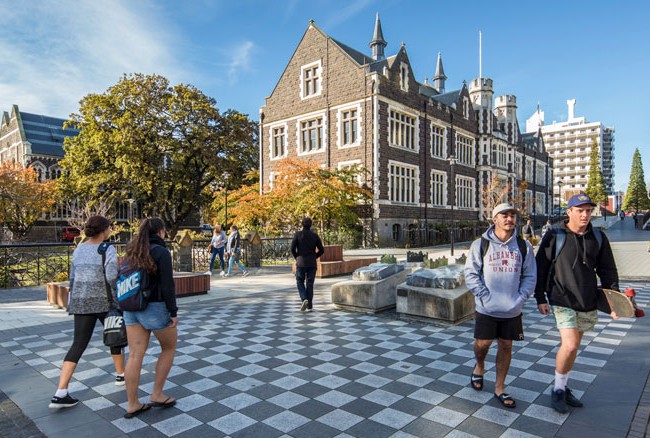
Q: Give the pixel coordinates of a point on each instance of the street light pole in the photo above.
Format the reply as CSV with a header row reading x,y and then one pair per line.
x,y
452,162
130,201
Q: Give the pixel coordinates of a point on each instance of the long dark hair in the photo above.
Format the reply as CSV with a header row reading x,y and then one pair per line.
x,y
138,249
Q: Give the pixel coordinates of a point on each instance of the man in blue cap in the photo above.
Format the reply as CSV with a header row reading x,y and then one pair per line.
x,y
568,260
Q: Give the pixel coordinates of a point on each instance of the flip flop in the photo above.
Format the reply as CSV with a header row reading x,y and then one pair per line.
x,y
476,382
166,404
143,408
503,398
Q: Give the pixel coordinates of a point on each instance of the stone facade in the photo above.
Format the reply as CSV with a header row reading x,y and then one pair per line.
x,y
406,133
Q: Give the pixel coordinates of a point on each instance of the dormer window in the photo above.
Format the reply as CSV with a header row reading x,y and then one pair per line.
x,y
404,77
311,80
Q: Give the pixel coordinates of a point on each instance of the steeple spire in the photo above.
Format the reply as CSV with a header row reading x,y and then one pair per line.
x,y
378,43
439,78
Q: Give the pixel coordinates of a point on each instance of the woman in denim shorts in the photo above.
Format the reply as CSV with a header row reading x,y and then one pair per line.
x,y
147,252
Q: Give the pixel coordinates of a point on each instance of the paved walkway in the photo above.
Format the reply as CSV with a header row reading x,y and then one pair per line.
x,y
250,364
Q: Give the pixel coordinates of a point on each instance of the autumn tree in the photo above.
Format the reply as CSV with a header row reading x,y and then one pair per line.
x,y
167,146
494,193
23,198
596,185
332,198
636,196
521,202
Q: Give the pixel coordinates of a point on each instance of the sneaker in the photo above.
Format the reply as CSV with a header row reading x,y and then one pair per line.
x,y
304,305
208,272
226,275
63,402
571,399
558,401
246,273
119,380
222,273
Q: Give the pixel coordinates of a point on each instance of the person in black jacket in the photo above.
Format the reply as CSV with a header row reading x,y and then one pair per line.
x,y
147,252
303,247
569,285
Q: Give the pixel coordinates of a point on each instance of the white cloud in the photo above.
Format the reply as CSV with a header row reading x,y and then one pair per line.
x,y
55,52
341,15
240,60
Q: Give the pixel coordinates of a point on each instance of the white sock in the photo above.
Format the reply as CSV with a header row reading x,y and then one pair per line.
x,y
120,375
61,393
560,381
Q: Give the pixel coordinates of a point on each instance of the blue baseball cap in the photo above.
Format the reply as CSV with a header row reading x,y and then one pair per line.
x,y
580,199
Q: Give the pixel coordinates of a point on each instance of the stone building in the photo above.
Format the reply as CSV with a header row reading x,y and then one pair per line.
x,y
428,152
33,140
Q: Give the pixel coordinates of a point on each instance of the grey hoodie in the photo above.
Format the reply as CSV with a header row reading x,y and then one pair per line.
x,y
496,281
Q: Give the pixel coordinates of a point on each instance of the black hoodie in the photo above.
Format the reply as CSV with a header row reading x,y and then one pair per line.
x,y
571,282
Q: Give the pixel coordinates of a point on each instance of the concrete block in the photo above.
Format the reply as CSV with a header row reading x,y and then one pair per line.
x,y
444,277
451,306
376,271
367,296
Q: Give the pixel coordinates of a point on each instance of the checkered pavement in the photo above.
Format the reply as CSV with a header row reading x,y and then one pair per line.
x,y
261,368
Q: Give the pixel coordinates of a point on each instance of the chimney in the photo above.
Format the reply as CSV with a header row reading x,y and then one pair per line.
x,y
572,108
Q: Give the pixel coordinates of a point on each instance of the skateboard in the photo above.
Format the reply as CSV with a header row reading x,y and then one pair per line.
x,y
623,304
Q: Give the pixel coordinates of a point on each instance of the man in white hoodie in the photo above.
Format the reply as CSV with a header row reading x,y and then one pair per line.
x,y
501,273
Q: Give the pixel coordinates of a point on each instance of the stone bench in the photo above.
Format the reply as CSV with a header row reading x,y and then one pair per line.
x,y
436,294
185,283
371,290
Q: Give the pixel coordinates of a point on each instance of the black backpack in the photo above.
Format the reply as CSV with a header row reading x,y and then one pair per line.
x,y
133,287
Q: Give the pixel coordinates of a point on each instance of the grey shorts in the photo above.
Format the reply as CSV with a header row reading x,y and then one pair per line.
x,y
154,317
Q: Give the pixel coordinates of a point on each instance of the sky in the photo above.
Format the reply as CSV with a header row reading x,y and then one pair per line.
x,y
54,52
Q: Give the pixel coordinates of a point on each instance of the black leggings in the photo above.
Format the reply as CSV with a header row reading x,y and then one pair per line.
x,y
84,325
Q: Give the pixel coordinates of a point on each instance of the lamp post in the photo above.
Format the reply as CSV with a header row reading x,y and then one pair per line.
x,y
226,176
452,162
130,201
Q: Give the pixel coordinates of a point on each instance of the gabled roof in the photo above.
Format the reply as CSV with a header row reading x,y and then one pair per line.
x,y
449,98
46,134
359,57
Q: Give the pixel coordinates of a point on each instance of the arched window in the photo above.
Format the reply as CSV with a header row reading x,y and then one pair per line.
x,y
40,170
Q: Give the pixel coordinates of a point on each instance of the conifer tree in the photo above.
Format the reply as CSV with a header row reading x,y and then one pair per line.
x,y
596,185
636,196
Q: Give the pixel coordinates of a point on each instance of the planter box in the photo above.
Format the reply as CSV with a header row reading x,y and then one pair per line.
x,y
185,283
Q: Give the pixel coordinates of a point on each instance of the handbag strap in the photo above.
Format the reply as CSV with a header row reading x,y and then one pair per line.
x,y
101,249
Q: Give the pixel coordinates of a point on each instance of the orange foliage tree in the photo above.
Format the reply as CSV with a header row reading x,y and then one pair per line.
x,y
23,198
330,197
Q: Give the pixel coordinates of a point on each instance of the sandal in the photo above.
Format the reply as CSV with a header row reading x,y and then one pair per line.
x,y
166,404
477,382
503,398
143,408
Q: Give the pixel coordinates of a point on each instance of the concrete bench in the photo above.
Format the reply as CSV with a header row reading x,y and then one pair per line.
x,y
185,283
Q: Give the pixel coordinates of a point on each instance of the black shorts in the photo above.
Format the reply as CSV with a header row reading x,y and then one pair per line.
x,y
489,327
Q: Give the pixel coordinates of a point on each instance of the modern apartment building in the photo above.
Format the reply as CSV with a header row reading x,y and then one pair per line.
x,y
569,144
429,153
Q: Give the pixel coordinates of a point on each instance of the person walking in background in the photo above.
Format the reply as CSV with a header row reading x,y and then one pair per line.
x,y
528,232
500,271
147,252
217,247
306,247
233,249
568,260
88,302
547,227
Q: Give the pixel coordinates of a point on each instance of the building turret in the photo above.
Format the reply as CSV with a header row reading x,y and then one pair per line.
x,y
439,78
505,110
378,43
480,93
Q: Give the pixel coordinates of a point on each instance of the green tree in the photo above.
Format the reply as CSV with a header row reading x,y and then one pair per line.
x,y
23,198
596,185
636,196
165,146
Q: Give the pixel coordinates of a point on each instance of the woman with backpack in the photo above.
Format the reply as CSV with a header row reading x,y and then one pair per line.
x,y
88,302
147,253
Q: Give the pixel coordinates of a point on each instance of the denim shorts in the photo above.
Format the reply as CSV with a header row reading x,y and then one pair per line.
x,y
154,317
569,318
